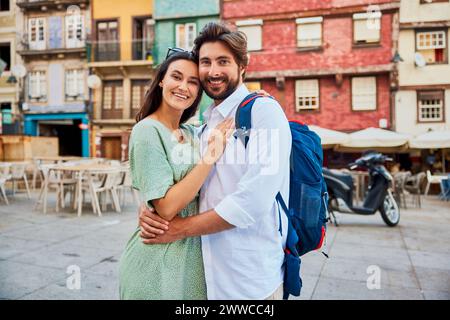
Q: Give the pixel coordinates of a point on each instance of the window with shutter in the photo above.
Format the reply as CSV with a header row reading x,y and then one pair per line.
x,y
430,106
364,93
107,97
138,90
74,31
366,28
253,31
112,99
36,33
37,83
432,45
307,94
74,84
309,32
185,35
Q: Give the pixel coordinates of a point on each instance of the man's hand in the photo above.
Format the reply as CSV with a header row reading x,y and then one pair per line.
x,y
150,223
176,232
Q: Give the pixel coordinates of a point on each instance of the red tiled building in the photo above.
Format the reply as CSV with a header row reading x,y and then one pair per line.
x,y
327,62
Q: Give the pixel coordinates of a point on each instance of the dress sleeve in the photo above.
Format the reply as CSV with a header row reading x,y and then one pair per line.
x,y
151,171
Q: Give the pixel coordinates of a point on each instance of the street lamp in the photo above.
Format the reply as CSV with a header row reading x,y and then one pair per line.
x,y
397,58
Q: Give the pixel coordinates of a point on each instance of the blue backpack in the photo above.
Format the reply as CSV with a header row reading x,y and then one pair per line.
x,y
307,211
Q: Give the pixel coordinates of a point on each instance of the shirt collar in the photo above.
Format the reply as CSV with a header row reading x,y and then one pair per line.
x,y
229,104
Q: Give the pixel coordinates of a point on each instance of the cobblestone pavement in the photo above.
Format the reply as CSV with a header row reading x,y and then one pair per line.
x,y
368,260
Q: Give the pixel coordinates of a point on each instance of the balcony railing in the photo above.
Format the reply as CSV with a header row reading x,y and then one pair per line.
x,y
61,4
98,51
53,45
104,50
142,49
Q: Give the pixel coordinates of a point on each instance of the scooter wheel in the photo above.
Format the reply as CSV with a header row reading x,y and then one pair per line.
x,y
390,212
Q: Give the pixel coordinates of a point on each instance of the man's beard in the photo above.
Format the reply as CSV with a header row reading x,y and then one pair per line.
x,y
230,88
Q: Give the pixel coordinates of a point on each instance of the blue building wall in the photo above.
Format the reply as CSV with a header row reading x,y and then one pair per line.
x,y
31,122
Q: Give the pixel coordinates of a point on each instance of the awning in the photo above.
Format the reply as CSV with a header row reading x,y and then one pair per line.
x,y
375,139
431,140
330,137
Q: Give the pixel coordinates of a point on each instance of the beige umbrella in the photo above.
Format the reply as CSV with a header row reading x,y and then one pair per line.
x,y
328,137
376,139
432,140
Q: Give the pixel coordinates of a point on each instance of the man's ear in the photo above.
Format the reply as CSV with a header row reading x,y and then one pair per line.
x,y
242,70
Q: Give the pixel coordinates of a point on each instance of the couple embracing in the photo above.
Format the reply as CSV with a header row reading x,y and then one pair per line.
x,y
210,227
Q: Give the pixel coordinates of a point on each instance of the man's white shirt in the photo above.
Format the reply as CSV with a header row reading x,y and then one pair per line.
x,y
246,262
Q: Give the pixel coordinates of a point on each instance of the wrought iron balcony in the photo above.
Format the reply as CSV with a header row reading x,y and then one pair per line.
x,y
142,49
50,4
103,50
55,45
98,51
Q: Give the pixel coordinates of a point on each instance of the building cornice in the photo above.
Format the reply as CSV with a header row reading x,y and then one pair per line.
x,y
327,12
424,24
386,68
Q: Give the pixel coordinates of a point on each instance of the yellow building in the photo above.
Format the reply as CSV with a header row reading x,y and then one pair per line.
x,y
121,43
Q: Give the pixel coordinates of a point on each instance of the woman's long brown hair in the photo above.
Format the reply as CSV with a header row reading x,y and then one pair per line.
x,y
153,97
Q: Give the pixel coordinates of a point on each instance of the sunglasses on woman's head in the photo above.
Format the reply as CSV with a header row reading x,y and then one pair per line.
x,y
172,51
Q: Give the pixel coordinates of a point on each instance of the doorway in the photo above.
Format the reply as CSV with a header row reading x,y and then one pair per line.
x,y
68,133
112,147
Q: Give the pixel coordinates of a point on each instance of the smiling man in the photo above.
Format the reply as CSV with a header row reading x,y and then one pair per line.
x,y
240,219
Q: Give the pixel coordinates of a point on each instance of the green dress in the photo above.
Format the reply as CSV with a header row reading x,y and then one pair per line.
x,y
162,271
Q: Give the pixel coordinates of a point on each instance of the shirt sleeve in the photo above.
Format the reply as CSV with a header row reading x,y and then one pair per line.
x,y
151,171
268,154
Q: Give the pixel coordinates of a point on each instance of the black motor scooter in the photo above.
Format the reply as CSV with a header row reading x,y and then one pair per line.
x,y
379,196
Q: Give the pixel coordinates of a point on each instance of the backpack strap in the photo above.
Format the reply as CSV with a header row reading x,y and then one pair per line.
x,y
243,117
243,121
285,209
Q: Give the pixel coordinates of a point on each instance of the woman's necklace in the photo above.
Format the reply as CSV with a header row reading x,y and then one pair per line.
x,y
180,136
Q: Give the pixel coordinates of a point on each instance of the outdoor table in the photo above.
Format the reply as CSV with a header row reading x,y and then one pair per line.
x,y
10,163
81,170
57,159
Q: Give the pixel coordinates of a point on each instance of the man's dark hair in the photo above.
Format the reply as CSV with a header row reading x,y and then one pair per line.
x,y
236,41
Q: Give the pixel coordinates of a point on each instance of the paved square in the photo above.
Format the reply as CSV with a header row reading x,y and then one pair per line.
x,y
368,260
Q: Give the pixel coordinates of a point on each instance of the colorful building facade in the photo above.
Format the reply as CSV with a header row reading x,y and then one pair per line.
x,y
121,55
51,42
328,63
423,99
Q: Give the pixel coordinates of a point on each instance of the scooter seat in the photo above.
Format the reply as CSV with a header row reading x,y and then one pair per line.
x,y
344,177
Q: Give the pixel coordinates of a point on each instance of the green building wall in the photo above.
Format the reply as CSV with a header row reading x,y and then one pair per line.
x,y
168,13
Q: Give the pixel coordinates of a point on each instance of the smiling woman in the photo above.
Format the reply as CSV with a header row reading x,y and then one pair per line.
x,y
172,70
